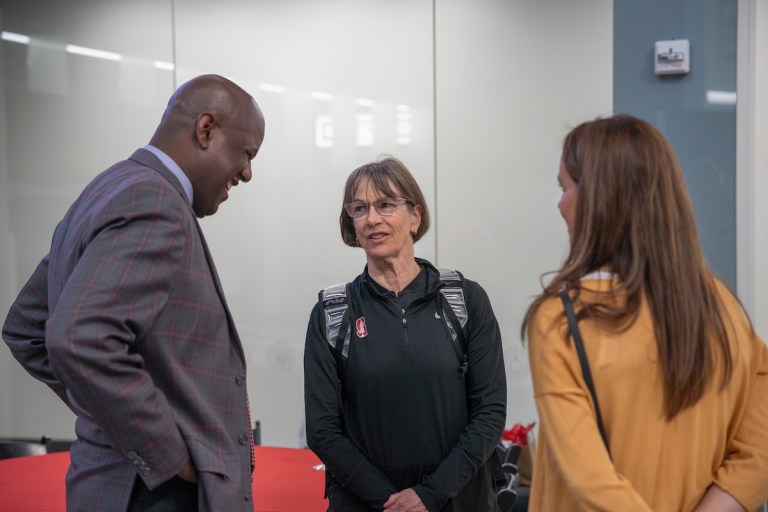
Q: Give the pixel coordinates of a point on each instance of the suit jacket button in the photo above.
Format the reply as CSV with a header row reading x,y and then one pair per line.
x,y
243,439
240,380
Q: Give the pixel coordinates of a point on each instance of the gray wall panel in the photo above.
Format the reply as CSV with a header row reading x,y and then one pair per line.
x,y
701,129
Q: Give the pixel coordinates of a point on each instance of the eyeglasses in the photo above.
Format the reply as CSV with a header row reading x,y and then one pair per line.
x,y
384,206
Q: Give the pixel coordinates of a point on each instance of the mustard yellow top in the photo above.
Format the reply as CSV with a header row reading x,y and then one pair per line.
x,y
657,465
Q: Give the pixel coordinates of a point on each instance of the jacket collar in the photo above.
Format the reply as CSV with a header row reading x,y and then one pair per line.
x,y
147,159
432,275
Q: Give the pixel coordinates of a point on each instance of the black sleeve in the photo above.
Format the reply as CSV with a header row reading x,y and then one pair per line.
x,y
487,396
325,430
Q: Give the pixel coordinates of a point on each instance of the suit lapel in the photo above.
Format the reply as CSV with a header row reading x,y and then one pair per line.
x,y
148,159
219,288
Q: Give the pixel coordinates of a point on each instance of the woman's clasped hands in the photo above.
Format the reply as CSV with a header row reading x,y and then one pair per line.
x,y
405,501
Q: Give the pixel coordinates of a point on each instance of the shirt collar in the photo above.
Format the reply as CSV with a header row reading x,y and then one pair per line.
x,y
599,275
174,168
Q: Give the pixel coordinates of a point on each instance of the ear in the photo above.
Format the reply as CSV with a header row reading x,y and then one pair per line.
x,y
416,218
204,129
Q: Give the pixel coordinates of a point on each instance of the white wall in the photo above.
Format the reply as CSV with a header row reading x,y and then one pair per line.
x,y
277,242
512,78
66,118
760,168
474,97
752,161
7,251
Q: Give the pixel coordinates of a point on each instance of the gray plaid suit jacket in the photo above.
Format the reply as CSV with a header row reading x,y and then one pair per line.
x,y
126,321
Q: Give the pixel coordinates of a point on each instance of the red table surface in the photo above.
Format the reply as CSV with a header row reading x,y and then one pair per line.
x,y
283,481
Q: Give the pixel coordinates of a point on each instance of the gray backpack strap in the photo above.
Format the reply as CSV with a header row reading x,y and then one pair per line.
x,y
456,314
335,306
337,327
453,291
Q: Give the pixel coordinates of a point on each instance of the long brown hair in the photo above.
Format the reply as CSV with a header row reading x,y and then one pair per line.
x,y
633,215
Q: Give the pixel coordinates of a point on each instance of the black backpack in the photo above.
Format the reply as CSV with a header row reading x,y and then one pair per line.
x,y
338,330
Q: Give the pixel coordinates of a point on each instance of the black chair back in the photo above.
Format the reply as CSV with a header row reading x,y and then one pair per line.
x,y
10,448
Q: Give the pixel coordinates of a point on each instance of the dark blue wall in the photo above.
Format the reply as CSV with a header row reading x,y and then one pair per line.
x,y
702,133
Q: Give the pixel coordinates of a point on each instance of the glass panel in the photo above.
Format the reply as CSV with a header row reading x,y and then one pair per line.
x,y
509,88
79,91
340,82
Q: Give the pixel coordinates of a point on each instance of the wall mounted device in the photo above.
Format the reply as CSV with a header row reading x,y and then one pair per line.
x,y
672,57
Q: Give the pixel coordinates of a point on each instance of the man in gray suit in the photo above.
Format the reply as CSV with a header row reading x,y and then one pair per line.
x,y
126,321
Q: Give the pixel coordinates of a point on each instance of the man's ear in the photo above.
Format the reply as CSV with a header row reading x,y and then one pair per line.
x,y
204,129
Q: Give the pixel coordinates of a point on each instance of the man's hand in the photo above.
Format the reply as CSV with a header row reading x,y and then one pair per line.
x,y
405,501
188,472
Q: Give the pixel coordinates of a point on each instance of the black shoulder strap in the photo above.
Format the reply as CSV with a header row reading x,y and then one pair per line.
x,y
577,340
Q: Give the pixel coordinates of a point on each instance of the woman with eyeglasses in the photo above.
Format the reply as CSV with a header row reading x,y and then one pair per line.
x,y
402,415
679,375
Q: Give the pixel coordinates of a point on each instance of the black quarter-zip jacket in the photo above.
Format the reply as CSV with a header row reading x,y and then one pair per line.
x,y
408,418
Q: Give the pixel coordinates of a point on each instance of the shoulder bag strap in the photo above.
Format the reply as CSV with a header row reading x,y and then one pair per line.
x,y
577,340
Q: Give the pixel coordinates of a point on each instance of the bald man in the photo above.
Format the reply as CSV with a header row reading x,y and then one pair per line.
x,y
125,319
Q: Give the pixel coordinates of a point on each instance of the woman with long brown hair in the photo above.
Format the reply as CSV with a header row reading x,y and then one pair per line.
x,y
681,378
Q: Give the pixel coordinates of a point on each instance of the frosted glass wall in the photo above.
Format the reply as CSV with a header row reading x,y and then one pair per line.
x,y
340,82
65,115
512,79
474,97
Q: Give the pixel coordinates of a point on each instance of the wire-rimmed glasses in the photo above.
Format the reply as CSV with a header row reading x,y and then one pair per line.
x,y
384,206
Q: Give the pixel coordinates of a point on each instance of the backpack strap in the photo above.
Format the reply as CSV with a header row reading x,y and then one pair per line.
x,y
336,303
337,325
455,312
453,291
